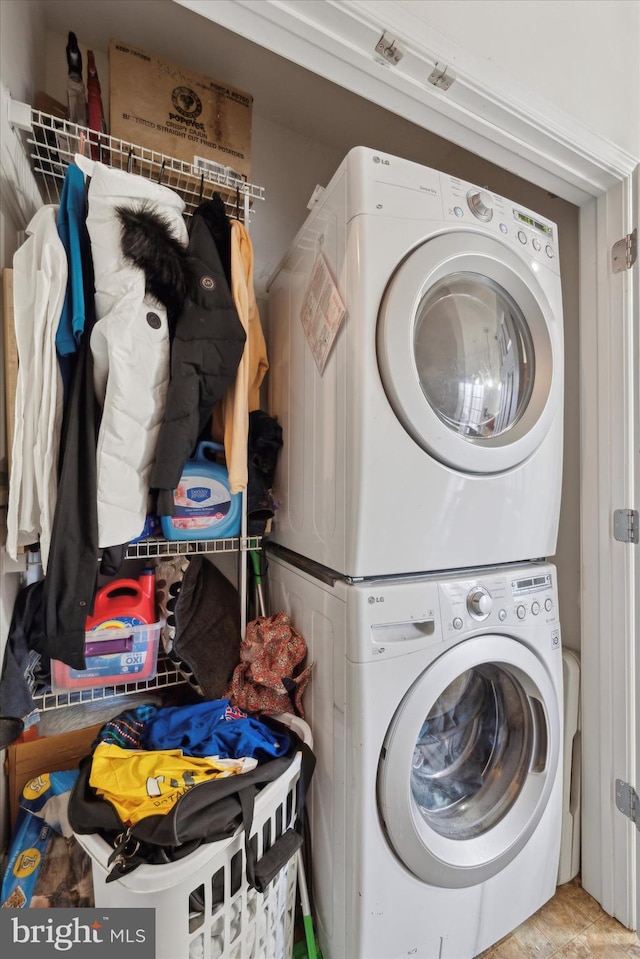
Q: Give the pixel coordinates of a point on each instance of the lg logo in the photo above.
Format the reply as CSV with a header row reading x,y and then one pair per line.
x,y
375,599
381,160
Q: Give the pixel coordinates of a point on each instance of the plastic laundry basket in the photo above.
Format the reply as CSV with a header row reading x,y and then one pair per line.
x,y
204,907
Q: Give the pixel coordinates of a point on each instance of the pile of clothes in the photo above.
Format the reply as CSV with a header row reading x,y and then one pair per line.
x,y
147,758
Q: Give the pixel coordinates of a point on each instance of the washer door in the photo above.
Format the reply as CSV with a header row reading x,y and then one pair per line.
x,y
467,353
469,762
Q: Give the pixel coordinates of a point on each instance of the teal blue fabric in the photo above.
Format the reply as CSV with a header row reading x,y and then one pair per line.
x,y
71,223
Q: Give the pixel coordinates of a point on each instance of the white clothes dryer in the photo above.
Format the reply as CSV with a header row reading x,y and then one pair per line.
x,y
431,438
436,709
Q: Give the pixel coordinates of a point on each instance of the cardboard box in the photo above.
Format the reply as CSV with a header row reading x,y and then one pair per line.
x,y
49,754
169,109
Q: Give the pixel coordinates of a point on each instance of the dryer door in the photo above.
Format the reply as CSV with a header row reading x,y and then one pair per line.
x,y
470,353
469,761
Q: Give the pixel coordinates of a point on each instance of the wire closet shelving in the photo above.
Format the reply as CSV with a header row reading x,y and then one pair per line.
x,y
51,143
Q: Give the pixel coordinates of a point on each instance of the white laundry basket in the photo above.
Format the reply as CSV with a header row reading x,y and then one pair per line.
x,y
237,922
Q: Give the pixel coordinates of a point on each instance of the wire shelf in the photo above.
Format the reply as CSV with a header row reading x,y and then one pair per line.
x,y
167,675
149,548
53,143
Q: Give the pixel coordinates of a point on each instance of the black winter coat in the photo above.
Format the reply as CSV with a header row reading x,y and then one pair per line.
x,y
207,347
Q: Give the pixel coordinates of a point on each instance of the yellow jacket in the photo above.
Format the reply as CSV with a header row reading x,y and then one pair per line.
x,y
244,395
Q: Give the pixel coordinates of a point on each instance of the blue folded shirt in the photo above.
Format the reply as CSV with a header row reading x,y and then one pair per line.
x,y
214,728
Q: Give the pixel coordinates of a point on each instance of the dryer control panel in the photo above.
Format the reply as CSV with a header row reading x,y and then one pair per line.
x,y
530,233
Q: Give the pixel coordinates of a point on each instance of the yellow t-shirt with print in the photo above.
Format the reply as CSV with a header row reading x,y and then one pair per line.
x,y
150,782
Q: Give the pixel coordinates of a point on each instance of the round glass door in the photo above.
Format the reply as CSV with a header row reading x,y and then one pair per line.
x,y
469,761
473,753
470,353
474,355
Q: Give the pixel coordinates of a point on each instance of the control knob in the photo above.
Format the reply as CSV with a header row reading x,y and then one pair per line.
x,y
481,204
479,602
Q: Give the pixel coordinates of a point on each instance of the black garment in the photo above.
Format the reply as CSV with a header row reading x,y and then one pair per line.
x,y
218,222
72,569
207,639
205,353
73,556
265,442
26,646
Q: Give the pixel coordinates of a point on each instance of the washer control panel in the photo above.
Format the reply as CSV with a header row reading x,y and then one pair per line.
x,y
534,596
498,600
479,602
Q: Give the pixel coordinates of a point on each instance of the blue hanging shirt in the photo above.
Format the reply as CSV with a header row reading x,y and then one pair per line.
x,y
71,225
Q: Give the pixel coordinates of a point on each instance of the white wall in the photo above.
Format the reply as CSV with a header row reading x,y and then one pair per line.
x,y
21,61
581,55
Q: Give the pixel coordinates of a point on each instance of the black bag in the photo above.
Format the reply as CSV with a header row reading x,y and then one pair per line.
x,y
208,812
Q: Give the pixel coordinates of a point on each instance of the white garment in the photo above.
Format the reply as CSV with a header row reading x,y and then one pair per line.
x,y
130,347
39,286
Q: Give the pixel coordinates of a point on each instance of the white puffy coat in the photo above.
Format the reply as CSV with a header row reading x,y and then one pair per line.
x,y
130,347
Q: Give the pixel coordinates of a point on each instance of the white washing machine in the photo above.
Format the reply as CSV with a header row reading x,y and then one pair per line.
x,y
436,805
431,438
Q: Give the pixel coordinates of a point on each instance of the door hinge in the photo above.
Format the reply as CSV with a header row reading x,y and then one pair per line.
x,y
624,253
628,802
626,527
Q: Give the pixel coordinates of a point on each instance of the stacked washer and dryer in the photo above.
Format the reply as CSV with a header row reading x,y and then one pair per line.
x,y
419,490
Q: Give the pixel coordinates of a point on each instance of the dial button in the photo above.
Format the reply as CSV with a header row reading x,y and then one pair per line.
x,y
535,607
458,623
537,246
522,236
548,604
481,204
479,602
521,612
549,251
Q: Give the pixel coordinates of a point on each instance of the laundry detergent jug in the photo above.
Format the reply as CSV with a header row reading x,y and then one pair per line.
x,y
121,637
205,508
125,602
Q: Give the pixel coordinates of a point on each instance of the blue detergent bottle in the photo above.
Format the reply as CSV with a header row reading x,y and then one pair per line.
x,y
205,508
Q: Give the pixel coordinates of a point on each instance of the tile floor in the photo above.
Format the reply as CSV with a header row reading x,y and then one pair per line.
x,y
570,926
